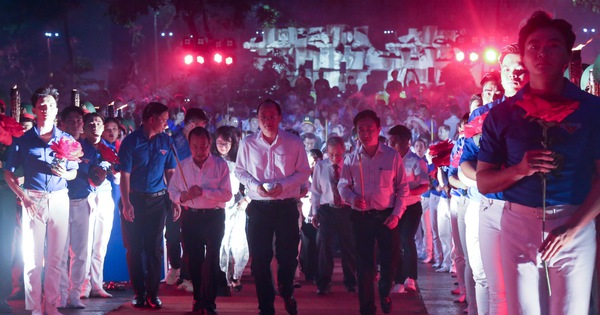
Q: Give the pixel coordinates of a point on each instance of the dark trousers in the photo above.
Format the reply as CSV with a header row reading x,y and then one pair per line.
x,y
202,232
408,226
308,251
277,218
7,231
332,222
143,240
369,231
173,240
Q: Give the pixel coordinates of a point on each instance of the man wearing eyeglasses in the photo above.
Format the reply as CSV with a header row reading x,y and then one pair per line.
x,y
273,166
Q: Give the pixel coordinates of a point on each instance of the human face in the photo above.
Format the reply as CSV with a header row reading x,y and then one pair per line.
x,y
269,119
158,123
27,125
489,91
400,145
368,132
46,109
223,145
420,148
474,105
513,74
254,124
74,124
336,153
546,54
200,147
111,132
443,134
93,129
306,128
309,144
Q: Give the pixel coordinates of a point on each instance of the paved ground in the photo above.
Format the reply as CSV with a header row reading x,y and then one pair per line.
x,y
433,298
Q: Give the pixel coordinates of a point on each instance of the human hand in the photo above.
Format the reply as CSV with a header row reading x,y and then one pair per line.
x,y
315,221
360,203
391,221
176,211
128,213
536,161
556,240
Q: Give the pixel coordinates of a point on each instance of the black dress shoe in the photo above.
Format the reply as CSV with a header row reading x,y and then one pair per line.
x,y
138,301
154,302
323,291
210,312
350,288
196,308
290,305
386,304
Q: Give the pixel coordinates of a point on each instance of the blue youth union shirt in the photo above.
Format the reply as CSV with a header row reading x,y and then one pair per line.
x,y
507,135
35,157
146,160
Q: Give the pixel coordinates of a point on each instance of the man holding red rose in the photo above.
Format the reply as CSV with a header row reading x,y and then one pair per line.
x,y
45,202
545,166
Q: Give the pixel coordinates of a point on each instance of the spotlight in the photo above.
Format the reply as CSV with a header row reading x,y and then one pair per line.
x,y
188,59
218,58
460,56
473,56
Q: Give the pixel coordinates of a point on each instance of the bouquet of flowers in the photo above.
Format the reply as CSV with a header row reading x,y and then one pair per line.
x,y
440,155
108,154
66,149
9,128
475,127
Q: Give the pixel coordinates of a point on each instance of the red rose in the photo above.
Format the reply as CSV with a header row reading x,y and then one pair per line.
x,y
68,149
440,153
550,111
5,137
109,155
475,127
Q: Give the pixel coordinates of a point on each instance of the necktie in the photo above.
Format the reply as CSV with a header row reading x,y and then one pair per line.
x,y
337,199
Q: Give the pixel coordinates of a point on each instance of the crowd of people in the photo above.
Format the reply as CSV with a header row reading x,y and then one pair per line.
x,y
503,196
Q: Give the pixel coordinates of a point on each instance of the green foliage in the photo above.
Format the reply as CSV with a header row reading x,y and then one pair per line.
x,y
593,5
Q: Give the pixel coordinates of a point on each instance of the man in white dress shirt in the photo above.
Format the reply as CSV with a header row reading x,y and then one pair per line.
x,y
202,186
273,166
332,217
374,183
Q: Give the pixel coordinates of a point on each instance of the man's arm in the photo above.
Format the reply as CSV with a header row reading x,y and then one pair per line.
x,y
128,213
302,169
241,167
316,189
492,178
346,183
223,192
588,211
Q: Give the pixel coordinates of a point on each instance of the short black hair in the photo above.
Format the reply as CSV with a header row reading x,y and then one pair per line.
x,y
199,131
228,133
335,140
153,109
89,116
195,113
309,135
492,76
69,110
42,92
541,19
400,131
316,154
367,114
509,49
269,101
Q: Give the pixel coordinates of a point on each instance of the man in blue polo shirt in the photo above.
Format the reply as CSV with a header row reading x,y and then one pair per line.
x,y
45,202
548,179
146,158
483,214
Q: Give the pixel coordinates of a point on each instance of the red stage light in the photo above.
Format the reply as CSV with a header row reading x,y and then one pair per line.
x,y
200,60
491,55
218,58
228,60
460,56
473,56
188,59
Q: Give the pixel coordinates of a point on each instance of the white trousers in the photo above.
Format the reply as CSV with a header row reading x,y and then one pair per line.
x,y
102,209
423,238
457,253
474,252
490,216
444,227
438,254
76,248
468,275
570,271
48,227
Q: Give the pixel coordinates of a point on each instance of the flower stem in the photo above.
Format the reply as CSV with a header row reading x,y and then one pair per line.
x,y
544,183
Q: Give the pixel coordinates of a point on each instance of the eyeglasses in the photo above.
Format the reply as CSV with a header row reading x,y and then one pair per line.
x,y
223,144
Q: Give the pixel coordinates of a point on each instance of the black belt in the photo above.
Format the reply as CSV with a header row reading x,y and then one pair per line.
x,y
334,206
201,211
150,195
374,211
274,201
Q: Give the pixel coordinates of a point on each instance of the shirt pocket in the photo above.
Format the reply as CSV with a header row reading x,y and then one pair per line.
x,y
385,178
